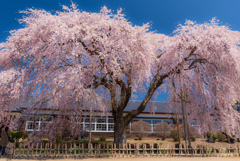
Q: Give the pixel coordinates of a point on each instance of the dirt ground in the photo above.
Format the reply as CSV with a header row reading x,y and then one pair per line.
x,y
144,159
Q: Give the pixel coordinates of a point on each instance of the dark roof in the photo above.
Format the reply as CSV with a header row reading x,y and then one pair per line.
x,y
152,106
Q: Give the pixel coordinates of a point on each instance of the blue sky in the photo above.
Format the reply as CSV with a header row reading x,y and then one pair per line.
x,y
164,15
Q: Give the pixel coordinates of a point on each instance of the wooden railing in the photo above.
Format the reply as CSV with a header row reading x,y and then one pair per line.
x,y
79,150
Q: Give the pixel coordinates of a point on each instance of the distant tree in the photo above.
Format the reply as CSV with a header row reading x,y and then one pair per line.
x,y
163,129
140,128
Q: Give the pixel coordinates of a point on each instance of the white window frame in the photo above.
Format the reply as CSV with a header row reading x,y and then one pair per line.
x,y
39,122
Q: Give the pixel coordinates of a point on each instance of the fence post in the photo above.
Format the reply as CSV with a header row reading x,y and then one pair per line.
x,y
74,149
83,153
19,151
179,149
160,151
167,149
45,149
164,151
130,149
152,149
14,150
32,148
65,149
112,149
234,150
229,151
54,150
145,149
137,148
195,150
28,149
108,150
238,150
126,147
23,149
115,151
50,149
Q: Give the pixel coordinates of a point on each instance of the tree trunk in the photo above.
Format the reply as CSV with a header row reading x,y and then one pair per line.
x,y
176,112
119,131
188,132
184,120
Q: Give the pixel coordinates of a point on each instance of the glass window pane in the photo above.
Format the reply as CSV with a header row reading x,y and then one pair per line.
x,y
110,120
156,121
30,125
101,120
169,121
101,127
111,127
47,118
148,121
87,127
87,120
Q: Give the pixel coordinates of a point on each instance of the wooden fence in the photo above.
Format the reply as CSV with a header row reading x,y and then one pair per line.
x,y
79,150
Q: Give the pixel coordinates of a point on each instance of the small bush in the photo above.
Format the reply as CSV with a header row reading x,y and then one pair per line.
x,y
16,135
174,135
211,137
102,138
45,141
140,128
230,139
221,137
192,131
17,144
25,136
162,129
58,138
215,137
193,138
163,137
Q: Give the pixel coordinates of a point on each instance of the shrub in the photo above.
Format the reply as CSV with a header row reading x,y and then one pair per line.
x,y
102,138
231,139
221,137
58,138
45,141
16,135
140,127
25,136
17,144
192,130
211,137
193,138
215,137
174,135
163,129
